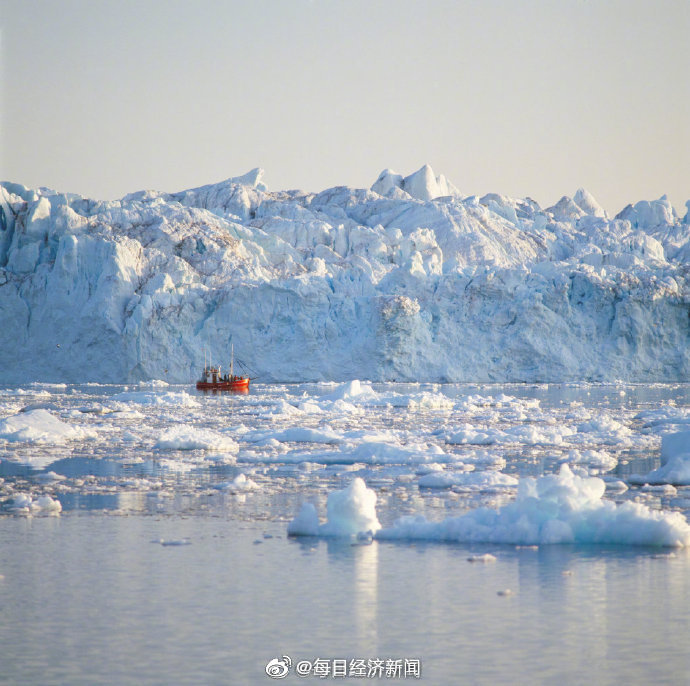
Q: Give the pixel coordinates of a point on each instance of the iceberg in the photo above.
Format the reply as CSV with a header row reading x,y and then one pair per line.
x,y
675,462
408,280
552,509
351,511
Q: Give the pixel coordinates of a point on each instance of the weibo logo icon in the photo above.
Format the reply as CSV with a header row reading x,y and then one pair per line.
x,y
279,668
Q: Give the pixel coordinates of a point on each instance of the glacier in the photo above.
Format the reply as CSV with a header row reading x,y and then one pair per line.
x,y
407,280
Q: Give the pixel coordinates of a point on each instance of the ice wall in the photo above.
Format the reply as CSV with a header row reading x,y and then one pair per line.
x,y
406,281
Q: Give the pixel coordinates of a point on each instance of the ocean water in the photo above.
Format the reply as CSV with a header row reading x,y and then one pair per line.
x,y
169,562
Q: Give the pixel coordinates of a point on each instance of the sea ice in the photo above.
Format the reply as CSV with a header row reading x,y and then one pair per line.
x,y
298,434
173,398
598,460
25,503
469,481
40,426
675,462
240,484
557,508
486,557
350,512
191,438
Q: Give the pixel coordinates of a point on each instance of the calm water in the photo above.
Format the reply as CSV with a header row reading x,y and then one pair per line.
x,y
89,599
92,596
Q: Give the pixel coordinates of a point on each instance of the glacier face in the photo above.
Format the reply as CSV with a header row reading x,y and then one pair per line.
x,y
407,281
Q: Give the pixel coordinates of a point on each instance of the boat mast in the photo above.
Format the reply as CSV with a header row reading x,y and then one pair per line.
x,y
232,358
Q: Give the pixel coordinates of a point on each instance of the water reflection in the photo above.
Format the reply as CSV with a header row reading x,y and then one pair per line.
x,y
366,580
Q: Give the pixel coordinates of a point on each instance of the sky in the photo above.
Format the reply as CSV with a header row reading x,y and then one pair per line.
x,y
537,98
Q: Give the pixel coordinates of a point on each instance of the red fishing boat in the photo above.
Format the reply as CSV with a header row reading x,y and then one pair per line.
x,y
213,380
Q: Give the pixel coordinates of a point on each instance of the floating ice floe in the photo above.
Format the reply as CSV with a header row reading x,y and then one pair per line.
x,y
172,542
48,477
25,503
469,481
664,416
180,398
558,508
486,557
606,429
40,426
592,459
614,485
191,438
352,390
675,462
297,434
178,466
371,452
530,434
240,484
350,512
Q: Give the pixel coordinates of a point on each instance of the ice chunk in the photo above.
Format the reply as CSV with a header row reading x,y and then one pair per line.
x,y
421,185
350,512
673,445
593,459
24,503
468,481
240,484
39,426
306,523
299,434
152,398
562,508
675,462
352,390
486,557
191,438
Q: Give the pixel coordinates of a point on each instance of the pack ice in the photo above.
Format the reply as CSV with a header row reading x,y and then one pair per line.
x,y
407,280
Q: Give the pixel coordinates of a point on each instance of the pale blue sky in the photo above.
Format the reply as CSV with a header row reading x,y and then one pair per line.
x,y
521,98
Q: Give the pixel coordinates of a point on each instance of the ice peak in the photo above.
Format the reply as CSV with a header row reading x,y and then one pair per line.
x,y
566,209
586,202
421,185
253,178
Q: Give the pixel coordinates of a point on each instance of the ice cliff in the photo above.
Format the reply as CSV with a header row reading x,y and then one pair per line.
x,y
409,280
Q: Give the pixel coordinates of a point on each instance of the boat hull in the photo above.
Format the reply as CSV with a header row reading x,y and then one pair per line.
x,y
240,385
